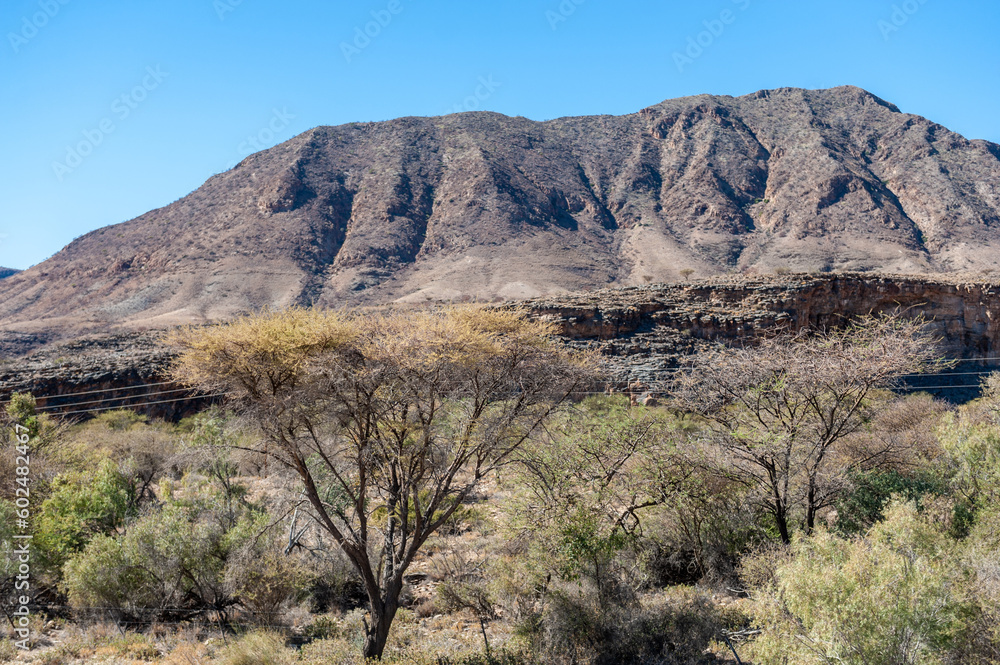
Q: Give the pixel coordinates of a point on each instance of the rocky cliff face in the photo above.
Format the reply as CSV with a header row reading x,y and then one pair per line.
x,y
480,205
85,376
643,334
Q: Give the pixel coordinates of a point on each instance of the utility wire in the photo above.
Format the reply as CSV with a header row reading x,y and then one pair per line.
x,y
137,406
107,390
647,385
106,399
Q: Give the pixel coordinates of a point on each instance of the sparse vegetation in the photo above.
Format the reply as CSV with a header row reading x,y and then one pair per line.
x,y
783,501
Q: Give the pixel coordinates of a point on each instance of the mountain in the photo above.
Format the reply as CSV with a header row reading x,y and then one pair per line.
x,y
485,206
7,272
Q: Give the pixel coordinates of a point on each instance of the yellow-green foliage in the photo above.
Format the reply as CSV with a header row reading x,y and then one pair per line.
x,y
267,351
971,438
82,506
269,348
259,648
898,595
21,409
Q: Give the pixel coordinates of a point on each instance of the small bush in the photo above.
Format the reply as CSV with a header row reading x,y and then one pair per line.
x,y
258,648
862,507
8,652
121,420
678,629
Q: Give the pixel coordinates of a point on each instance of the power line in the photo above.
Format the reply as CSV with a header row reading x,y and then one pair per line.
x,y
138,406
105,390
107,399
648,385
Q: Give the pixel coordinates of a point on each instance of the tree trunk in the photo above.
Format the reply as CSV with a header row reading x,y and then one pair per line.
x,y
782,521
780,509
383,611
811,508
377,632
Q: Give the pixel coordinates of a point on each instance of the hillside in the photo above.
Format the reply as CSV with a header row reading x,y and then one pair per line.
x,y
7,272
484,206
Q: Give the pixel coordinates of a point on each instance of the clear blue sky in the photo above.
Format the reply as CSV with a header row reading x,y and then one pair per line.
x,y
161,94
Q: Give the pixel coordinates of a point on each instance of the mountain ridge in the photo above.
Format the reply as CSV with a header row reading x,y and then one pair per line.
x,y
488,207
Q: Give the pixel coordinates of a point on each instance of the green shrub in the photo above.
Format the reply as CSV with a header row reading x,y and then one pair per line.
x,y
82,505
184,557
120,420
898,595
863,505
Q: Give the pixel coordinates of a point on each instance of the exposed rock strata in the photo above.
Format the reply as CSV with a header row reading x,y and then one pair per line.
x,y
643,333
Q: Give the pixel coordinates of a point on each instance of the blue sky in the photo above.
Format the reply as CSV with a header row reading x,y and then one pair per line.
x,y
113,108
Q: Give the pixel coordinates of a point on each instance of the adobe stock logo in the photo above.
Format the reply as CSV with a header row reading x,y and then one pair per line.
x,y
223,7
900,16
264,138
698,44
363,37
566,9
121,108
31,25
487,86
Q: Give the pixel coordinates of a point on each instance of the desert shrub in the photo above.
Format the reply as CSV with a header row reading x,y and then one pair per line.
x,y
42,429
145,450
702,533
258,648
898,595
184,559
675,629
584,488
863,505
981,640
262,578
82,505
8,652
163,558
971,440
335,584
120,420
21,409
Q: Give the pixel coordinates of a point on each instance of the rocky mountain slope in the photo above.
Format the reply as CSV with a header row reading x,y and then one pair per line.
x,y
484,206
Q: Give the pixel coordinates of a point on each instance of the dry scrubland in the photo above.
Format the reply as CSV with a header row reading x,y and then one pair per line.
x,y
784,500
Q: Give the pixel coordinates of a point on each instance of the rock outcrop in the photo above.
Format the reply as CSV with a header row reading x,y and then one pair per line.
x,y
83,377
644,332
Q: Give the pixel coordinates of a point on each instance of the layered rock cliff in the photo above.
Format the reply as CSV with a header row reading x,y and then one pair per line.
x,y
642,333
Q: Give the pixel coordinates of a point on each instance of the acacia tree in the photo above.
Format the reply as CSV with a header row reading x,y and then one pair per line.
x,y
390,419
779,411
